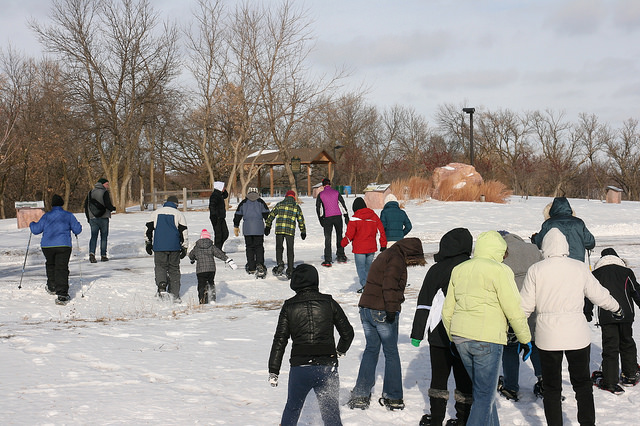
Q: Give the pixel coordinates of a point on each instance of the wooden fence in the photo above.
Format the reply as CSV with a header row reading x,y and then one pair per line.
x,y
150,200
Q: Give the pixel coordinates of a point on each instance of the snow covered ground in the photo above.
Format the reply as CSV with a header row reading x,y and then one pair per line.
x,y
116,354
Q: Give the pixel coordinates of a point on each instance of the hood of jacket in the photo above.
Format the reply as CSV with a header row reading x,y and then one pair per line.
x,y
455,242
609,260
490,245
555,244
411,249
304,277
204,243
391,205
365,214
560,207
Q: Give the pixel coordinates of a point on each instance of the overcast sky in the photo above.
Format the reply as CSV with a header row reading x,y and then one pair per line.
x,y
566,55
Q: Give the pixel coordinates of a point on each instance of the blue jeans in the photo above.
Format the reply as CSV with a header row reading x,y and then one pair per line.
x,y
363,264
511,365
99,224
324,381
377,332
482,362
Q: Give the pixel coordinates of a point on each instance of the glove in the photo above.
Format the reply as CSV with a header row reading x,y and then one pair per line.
x,y
340,354
231,264
149,248
511,336
533,238
267,230
346,219
588,316
382,249
454,350
618,315
236,231
273,380
390,318
192,261
322,221
525,349
183,252
303,235
415,342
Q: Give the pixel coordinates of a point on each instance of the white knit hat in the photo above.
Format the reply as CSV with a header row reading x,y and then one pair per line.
x,y
390,197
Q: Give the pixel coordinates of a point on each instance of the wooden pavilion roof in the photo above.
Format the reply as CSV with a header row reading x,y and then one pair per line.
x,y
306,155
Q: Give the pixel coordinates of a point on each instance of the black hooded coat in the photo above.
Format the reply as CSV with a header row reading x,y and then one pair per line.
x,y
455,248
309,319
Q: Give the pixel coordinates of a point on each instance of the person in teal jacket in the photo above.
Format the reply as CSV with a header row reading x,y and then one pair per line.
x,y
56,226
561,217
395,221
482,301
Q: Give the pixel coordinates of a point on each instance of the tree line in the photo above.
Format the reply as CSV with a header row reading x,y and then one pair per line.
x,y
147,104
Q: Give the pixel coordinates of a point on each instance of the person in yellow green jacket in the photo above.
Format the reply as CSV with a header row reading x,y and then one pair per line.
x,y
481,303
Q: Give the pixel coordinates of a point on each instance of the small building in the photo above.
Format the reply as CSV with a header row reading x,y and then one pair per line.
x,y
614,194
375,194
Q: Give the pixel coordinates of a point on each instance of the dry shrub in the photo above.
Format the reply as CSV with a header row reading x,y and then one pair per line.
x,y
415,187
493,191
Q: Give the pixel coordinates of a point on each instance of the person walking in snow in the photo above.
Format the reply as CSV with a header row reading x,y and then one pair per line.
x,y
167,239
97,209
395,220
481,302
455,248
330,208
309,318
555,288
218,213
286,213
56,227
561,217
361,231
253,211
521,255
617,334
380,306
204,252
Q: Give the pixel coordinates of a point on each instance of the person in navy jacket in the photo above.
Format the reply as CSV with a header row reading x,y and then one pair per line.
x,y
56,226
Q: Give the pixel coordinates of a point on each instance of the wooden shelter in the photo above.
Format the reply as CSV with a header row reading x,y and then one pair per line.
x,y
307,156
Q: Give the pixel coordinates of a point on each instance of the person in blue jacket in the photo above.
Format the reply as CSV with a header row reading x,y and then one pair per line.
x,y
253,211
561,217
56,226
395,221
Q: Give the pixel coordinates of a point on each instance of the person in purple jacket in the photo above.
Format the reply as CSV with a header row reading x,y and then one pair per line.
x,y
56,226
330,208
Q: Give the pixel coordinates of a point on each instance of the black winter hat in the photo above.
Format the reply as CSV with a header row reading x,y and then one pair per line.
x,y
609,252
326,182
57,201
304,277
173,199
102,181
358,204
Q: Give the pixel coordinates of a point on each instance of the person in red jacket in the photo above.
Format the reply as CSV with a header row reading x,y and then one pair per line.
x,y
362,230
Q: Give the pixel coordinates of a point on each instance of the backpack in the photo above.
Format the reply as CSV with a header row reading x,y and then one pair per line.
x,y
95,207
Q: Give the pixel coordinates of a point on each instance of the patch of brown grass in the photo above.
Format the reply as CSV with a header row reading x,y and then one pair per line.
x,y
493,192
414,188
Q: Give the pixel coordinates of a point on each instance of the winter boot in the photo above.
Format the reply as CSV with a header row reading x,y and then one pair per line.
x,y
391,404
630,380
104,259
92,258
463,407
261,271
249,271
163,294
49,289
438,400
361,402
327,263
62,300
615,389
342,259
278,270
507,393
538,388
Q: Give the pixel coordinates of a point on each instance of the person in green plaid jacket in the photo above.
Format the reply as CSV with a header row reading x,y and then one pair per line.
x,y
287,212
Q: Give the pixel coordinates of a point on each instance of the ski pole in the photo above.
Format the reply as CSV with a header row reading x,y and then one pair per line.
x,y
25,259
80,265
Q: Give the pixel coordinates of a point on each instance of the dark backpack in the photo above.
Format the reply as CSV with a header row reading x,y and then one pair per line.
x,y
95,207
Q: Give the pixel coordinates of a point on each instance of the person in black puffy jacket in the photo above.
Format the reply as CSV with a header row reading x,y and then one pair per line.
x,y
617,334
455,247
309,318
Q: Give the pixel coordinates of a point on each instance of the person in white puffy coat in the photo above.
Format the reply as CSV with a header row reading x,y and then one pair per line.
x,y
555,289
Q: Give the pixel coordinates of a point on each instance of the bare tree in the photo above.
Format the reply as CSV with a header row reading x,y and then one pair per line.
x,y
117,60
624,154
593,137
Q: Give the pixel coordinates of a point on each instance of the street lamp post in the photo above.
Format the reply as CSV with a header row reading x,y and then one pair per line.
x,y
470,111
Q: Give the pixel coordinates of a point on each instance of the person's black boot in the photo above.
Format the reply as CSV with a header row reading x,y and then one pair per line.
x,y
438,400
463,406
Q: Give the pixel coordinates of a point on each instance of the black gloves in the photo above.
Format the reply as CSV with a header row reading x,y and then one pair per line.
x,y
273,380
149,248
303,235
321,219
533,238
618,315
267,230
346,219
183,252
588,316
525,349
390,318
192,261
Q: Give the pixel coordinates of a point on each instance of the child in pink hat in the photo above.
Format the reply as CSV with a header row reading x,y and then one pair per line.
x,y
205,252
